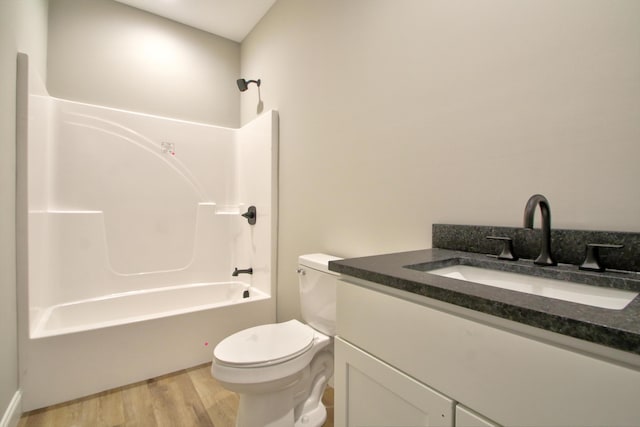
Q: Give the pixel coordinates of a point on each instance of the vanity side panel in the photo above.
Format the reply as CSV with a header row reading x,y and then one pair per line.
x,y
511,379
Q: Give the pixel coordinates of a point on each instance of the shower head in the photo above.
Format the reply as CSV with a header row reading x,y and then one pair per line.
x,y
243,84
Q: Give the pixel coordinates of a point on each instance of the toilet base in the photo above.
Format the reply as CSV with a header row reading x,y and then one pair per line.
x,y
295,401
313,418
266,410
276,410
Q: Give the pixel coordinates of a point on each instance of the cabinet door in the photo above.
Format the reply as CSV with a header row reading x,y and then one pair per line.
x,y
465,417
371,393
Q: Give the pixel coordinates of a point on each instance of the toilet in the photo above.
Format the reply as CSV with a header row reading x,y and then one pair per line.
x,y
280,370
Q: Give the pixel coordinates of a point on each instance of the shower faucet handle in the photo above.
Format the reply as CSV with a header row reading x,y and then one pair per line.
x,y
251,215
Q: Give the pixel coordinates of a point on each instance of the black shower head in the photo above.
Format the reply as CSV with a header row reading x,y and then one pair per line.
x,y
243,84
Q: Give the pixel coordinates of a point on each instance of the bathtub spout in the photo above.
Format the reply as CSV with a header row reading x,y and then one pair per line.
x,y
236,271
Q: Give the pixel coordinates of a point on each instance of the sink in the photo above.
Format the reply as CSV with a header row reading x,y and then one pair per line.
x,y
610,298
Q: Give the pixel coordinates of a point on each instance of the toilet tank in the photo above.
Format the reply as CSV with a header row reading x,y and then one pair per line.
x,y
318,292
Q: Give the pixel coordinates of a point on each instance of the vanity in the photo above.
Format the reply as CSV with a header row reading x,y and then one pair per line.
x,y
415,348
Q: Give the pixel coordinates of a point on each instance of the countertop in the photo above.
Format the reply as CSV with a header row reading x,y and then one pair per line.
x,y
619,329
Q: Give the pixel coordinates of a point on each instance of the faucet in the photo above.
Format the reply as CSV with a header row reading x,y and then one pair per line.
x,y
236,271
545,257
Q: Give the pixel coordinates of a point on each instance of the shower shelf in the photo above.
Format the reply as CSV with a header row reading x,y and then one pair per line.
x,y
230,209
74,212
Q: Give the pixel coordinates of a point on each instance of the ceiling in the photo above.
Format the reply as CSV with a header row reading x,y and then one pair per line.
x,y
232,19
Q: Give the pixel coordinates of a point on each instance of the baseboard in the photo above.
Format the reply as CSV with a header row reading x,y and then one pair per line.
x,y
13,412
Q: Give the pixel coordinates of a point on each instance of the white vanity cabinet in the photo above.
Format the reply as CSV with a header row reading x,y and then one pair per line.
x,y
405,361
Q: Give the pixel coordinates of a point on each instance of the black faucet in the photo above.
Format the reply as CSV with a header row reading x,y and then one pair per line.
x,y
545,257
236,271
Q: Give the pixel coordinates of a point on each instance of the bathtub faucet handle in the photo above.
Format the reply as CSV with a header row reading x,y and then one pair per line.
x,y
246,271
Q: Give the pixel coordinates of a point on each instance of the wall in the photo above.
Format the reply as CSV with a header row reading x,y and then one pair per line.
x,y
397,115
106,53
8,343
22,27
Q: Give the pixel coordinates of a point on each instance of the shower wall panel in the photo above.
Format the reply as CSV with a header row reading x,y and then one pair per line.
x,y
123,201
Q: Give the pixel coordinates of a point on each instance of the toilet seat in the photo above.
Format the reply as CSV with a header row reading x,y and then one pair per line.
x,y
265,345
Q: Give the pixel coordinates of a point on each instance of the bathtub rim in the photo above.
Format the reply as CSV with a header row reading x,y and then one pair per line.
x,y
39,331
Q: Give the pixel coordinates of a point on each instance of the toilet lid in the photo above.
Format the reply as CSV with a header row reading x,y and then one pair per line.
x,y
265,344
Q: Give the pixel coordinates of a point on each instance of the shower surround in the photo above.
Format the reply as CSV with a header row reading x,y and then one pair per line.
x,y
134,229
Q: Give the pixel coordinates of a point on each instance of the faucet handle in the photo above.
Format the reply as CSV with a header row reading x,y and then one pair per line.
x,y
507,248
250,215
592,256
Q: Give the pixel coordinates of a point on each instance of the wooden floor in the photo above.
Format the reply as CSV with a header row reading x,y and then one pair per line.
x,y
186,398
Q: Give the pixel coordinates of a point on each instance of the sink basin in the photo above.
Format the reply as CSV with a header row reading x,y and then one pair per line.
x,y
615,299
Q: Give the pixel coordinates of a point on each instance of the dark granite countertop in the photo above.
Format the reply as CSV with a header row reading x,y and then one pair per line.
x,y
619,329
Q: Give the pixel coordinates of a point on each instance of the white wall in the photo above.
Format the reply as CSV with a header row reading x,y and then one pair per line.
x,y
399,114
22,27
31,35
106,53
8,343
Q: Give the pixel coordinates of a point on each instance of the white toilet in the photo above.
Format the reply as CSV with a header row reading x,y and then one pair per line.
x,y
280,370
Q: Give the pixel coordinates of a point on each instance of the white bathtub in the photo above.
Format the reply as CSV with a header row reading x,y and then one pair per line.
x,y
85,347
140,306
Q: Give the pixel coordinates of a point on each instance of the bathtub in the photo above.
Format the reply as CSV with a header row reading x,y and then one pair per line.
x,y
140,306
86,347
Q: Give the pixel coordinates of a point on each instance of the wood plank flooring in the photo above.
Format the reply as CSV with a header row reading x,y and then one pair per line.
x,y
185,398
